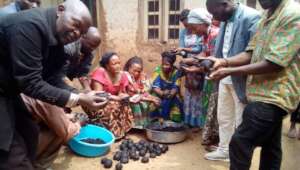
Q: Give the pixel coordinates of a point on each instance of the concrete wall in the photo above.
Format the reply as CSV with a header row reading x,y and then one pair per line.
x,y
123,31
121,24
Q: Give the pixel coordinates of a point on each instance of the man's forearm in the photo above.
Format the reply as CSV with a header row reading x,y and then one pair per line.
x,y
262,67
239,60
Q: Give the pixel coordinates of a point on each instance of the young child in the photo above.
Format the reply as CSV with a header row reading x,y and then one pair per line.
x,y
142,102
166,85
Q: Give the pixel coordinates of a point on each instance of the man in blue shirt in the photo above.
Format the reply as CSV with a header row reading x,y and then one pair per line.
x,y
237,27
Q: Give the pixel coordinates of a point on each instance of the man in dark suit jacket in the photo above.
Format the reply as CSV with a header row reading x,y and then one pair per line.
x,y
30,46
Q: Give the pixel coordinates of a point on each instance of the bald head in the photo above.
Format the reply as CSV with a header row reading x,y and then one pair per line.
x,y
91,40
221,10
73,20
78,8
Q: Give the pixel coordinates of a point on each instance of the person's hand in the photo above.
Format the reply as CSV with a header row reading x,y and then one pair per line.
x,y
218,62
189,61
91,100
156,101
179,49
124,96
220,73
193,69
72,130
172,93
166,93
135,98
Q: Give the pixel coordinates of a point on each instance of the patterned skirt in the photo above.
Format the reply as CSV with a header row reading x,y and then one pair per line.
x,y
115,116
210,134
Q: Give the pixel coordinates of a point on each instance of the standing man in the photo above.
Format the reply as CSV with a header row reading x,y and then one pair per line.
x,y
272,61
19,5
237,27
29,40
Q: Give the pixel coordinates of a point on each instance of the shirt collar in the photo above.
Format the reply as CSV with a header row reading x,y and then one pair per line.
x,y
276,13
51,19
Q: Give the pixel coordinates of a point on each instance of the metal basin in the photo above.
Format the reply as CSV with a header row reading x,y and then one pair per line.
x,y
167,136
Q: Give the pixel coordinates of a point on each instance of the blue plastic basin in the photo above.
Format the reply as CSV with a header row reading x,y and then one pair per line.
x,y
92,150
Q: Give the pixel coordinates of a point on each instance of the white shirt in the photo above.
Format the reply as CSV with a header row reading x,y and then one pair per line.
x,y
226,47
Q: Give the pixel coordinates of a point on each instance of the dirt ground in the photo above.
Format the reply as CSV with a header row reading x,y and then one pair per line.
x,y
187,155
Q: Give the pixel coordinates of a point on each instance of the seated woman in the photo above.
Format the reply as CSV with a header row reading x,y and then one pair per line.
x,y
116,114
138,87
166,85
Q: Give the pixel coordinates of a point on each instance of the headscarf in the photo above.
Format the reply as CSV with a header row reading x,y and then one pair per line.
x,y
199,16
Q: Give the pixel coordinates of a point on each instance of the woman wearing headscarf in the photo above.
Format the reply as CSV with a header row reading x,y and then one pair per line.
x,y
190,44
201,23
166,85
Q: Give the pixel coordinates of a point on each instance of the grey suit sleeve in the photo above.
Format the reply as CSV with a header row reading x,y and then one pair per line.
x,y
253,22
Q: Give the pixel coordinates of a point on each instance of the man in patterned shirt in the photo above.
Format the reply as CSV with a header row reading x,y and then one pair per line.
x,y
272,61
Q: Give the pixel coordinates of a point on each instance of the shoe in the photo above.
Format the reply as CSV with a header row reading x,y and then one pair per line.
x,y
211,148
292,133
217,156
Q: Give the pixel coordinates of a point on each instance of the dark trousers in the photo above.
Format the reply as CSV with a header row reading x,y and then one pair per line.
x,y
17,158
261,126
295,116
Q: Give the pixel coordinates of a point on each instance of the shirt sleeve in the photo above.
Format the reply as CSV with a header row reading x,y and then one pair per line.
x,y
124,83
85,66
285,42
181,38
253,23
155,79
98,75
252,42
26,53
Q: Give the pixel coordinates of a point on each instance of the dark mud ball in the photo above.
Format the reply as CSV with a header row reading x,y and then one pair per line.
x,y
132,155
119,166
103,160
124,160
207,64
125,154
108,163
136,157
139,147
164,148
123,147
117,156
152,155
158,152
145,159
142,153
93,141
142,142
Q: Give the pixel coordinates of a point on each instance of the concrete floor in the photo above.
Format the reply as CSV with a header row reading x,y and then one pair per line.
x,y
183,156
